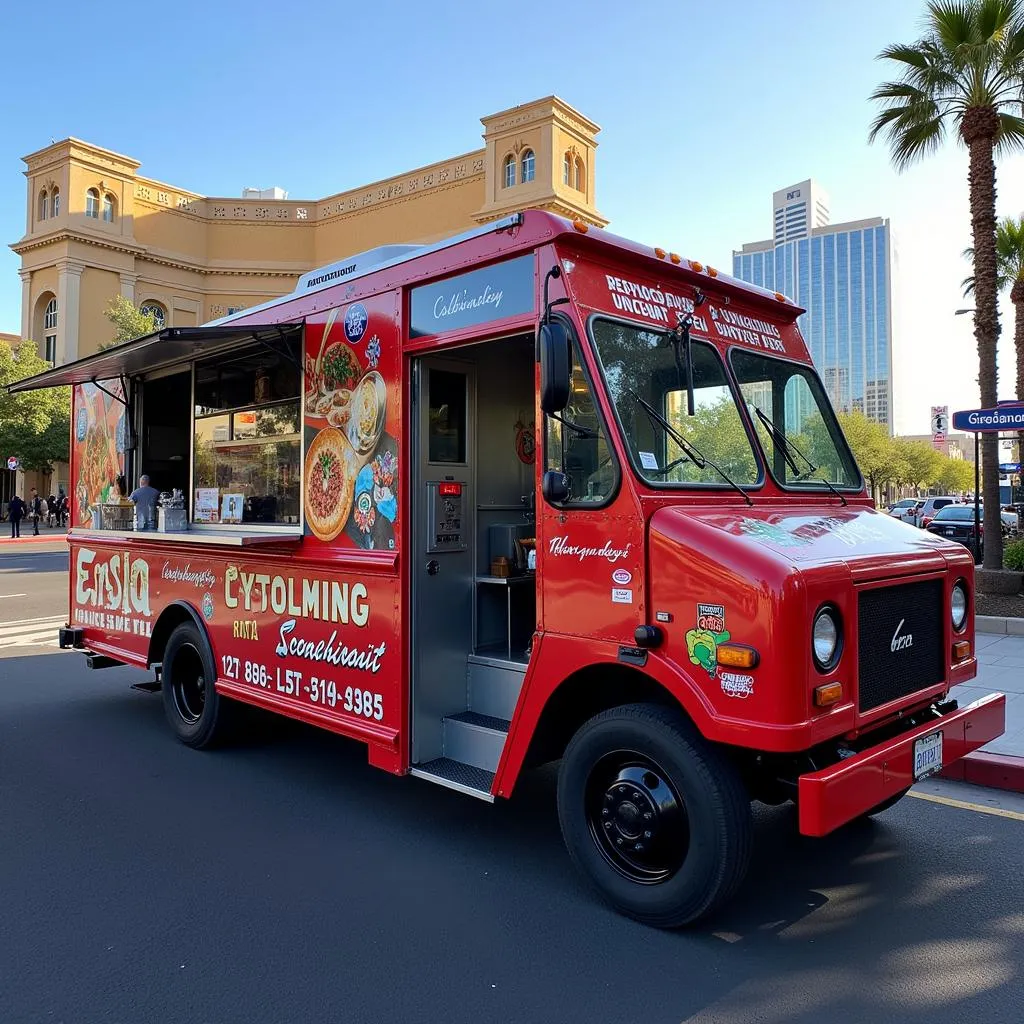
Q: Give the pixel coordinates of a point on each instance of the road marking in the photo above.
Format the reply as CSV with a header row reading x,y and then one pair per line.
x,y
40,632
2,596
965,806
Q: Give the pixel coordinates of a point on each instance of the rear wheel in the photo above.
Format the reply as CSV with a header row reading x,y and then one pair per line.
x,y
193,707
653,815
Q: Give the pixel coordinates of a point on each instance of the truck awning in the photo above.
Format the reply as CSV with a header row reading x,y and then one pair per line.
x,y
153,351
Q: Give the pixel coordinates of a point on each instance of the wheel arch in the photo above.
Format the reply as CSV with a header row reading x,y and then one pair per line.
x,y
170,618
587,692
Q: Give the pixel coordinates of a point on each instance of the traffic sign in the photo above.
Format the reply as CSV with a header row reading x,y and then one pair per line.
x,y
990,421
13,463
1006,468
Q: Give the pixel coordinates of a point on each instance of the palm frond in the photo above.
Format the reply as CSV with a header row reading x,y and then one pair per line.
x,y
913,138
967,286
953,23
1010,137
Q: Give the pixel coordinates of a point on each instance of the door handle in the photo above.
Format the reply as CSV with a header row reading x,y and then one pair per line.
x,y
433,567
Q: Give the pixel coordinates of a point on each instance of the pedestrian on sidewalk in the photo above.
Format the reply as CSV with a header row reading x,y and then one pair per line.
x,y
35,509
16,511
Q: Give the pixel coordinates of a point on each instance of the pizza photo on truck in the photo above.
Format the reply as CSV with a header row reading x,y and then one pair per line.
x,y
534,493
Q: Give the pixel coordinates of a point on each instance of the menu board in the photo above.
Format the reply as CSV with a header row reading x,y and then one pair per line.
x,y
351,423
99,440
207,504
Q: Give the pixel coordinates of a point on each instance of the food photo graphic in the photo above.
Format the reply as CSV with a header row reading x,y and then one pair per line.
x,y
351,462
99,445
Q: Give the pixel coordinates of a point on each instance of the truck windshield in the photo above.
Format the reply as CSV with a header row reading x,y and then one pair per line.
x,y
794,423
646,380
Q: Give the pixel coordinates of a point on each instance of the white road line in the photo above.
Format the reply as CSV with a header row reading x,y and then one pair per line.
x,y
31,632
2,596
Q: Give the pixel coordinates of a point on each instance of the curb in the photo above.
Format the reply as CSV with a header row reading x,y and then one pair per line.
x,y
25,541
996,771
999,624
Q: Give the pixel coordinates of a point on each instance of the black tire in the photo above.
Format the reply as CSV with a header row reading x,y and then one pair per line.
x,y
196,712
639,764
886,804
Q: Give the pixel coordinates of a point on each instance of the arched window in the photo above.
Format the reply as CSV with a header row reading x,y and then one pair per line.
x,y
581,175
108,207
43,204
155,310
509,177
527,162
50,316
55,203
92,203
566,169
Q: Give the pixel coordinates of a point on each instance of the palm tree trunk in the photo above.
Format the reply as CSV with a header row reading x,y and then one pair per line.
x,y
1017,298
979,128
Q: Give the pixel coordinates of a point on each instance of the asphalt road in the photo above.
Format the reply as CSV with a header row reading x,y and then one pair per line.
x,y
282,879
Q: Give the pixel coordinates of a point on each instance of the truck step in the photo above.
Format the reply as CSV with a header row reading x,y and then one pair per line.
x,y
150,686
493,685
475,739
454,775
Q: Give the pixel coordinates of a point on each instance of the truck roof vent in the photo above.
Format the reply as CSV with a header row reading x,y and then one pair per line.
x,y
332,273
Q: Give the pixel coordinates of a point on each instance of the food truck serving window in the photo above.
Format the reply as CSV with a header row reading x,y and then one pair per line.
x,y
247,446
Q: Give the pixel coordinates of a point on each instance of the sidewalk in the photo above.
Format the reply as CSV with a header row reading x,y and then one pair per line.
x,y
1000,669
47,535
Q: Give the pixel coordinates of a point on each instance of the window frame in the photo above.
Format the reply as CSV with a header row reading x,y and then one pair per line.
x,y
678,487
108,205
602,419
581,175
567,169
55,202
157,307
803,489
48,341
288,529
92,203
528,154
44,205
508,164
51,315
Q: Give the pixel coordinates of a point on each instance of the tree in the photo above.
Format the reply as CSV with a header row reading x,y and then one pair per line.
x,y
869,441
35,426
923,463
956,476
1010,274
964,75
129,321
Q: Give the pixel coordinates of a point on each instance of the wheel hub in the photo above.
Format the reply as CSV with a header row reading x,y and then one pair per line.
x,y
637,819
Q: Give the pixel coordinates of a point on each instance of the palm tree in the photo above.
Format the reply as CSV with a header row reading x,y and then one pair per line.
x,y
1010,274
965,75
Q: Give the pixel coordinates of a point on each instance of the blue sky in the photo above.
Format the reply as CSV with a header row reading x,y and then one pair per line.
x,y
705,110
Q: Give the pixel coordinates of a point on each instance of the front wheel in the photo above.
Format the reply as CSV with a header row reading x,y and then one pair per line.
x,y
653,815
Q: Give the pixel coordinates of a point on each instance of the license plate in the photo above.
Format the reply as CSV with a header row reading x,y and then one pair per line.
x,y
927,755
950,533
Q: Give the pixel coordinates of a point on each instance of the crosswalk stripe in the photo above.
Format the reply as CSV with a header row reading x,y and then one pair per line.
x,y
29,627
37,632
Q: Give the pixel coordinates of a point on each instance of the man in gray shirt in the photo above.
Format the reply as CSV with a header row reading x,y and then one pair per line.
x,y
144,498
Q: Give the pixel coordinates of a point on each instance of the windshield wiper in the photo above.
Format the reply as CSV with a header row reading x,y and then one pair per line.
x,y
787,447
698,458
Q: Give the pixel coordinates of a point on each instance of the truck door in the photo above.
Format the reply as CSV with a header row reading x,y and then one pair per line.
x,y
443,527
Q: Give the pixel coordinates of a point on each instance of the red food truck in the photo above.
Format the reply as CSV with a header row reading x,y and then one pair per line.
x,y
532,493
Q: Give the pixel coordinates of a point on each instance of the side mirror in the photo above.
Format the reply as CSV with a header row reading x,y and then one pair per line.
x,y
555,487
555,367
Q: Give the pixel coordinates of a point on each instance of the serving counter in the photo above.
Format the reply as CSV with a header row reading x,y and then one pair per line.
x,y
239,538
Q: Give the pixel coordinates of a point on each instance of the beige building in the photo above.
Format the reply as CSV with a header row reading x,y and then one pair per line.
x,y
95,227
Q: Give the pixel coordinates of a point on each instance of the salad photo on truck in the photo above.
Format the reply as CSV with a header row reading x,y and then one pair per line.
x,y
534,493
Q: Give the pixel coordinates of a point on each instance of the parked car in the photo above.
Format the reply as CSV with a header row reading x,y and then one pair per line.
x,y
901,509
926,513
956,522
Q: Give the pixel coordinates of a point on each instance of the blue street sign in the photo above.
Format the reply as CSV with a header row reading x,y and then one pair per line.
x,y
989,421
1009,467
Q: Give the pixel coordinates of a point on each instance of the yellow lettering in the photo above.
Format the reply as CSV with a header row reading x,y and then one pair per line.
x,y
360,606
230,577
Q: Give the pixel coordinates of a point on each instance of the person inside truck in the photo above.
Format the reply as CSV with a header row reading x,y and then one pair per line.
x,y
144,499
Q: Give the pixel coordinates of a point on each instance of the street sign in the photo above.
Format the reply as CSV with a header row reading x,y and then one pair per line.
x,y
990,421
940,419
1008,467
13,463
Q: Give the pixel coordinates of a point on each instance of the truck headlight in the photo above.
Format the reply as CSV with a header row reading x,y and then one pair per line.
x,y
958,606
825,639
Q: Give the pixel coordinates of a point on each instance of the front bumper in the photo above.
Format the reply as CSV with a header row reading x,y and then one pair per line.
x,y
835,795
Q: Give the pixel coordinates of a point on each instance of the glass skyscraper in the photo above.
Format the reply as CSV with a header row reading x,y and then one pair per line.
x,y
842,275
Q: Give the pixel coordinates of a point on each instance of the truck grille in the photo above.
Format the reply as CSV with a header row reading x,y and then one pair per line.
x,y
900,641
